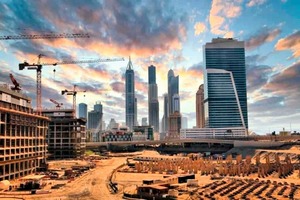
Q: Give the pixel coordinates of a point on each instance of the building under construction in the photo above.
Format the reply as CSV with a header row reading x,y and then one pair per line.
x,y
23,146
67,134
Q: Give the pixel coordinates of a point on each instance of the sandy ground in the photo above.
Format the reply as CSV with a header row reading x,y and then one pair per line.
x,y
90,186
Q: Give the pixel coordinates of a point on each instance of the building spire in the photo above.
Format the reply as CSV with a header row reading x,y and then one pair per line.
x,y
129,66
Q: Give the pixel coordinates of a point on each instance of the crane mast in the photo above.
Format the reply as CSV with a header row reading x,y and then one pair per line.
x,y
38,68
74,93
43,36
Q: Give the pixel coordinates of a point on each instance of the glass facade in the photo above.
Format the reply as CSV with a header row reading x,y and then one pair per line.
x,y
130,96
222,102
229,55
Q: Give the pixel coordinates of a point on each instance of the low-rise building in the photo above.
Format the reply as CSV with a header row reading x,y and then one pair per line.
x,y
143,133
194,133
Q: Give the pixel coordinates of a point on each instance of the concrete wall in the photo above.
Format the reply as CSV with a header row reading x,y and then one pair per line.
x,y
260,144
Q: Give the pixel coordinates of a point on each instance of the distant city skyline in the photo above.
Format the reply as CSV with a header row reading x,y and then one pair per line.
x,y
168,35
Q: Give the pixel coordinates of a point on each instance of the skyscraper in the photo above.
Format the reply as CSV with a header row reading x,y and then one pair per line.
x,y
176,103
136,123
144,121
174,125
82,107
95,117
173,88
200,120
153,105
166,114
225,84
184,122
130,96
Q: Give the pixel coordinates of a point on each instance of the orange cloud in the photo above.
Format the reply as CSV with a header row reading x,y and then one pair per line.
x,y
199,28
291,42
221,11
255,2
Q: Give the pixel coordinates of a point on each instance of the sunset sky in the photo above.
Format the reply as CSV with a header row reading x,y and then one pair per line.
x,y
168,34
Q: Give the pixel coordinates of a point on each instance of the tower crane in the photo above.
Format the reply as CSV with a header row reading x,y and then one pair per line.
x,y
38,68
15,82
43,36
58,105
72,92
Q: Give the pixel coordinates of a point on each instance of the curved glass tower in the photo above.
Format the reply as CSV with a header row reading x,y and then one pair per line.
x,y
225,91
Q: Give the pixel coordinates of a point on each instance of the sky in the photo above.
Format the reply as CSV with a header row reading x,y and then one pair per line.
x,y
167,34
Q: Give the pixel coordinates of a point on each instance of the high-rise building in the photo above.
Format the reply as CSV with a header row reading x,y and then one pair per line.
x,y
144,121
174,125
200,120
95,117
136,123
173,88
225,91
184,122
176,103
130,96
166,114
82,110
153,104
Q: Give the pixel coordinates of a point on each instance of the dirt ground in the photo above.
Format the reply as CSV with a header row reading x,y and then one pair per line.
x,y
90,186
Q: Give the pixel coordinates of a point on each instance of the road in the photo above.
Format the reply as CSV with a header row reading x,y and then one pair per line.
x,y
91,186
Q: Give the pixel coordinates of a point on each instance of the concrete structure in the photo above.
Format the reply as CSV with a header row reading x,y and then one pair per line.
x,y
174,125
23,146
195,133
130,96
82,108
95,117
228,57
153,104
200,117
66,135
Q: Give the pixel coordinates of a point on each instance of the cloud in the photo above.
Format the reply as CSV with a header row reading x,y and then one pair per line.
x,y
291,42
265,35
220,11
287,82
199,28
255,2
118,86
280,95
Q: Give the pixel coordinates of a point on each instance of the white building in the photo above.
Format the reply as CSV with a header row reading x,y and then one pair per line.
x,y
194,133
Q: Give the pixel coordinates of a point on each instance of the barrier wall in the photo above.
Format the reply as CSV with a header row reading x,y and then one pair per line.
x,y
255,144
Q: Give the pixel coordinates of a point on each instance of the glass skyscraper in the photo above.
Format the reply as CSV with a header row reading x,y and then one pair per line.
x,y
82,110
130,96
225,90
153,105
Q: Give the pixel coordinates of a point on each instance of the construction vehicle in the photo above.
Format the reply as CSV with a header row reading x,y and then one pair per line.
x,y
58,105
17,86
74,93
38,68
